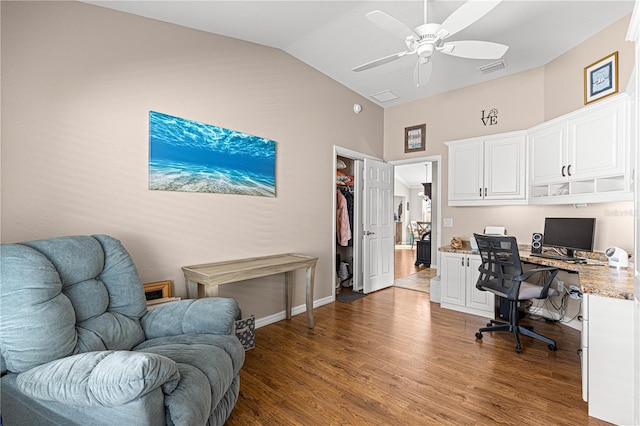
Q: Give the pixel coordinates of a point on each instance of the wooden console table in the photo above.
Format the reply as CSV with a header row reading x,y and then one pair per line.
x,y
203,280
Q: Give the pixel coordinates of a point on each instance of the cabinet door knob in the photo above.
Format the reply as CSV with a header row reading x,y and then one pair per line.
x,y
480,192
485,191
569,169
563,167
462,261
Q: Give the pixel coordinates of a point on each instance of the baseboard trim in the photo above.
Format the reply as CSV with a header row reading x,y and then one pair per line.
x,y
296,310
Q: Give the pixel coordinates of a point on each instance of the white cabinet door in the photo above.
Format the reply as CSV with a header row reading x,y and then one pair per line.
x,y
476,299
453,278
504,168
548,153
595,143
466,170
610,362
458,277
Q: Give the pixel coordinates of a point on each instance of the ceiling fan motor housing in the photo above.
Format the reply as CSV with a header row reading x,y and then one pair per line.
x,y
428,41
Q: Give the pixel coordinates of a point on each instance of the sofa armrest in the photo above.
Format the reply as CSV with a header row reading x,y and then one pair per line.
x,y
213,315
105,378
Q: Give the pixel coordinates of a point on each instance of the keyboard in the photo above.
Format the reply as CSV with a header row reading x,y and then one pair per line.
x,y
551,256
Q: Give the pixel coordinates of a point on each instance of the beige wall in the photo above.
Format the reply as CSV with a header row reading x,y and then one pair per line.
x,y
78,82
522,100
564,76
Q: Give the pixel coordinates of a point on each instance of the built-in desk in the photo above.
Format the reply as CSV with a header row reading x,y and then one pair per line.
x,y
203,280
607,332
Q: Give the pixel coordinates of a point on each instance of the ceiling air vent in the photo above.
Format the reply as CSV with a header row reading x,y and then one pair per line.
x,y
493,67
384,96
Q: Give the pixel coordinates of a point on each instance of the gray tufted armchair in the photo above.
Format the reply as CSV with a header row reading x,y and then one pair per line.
x,y
78,345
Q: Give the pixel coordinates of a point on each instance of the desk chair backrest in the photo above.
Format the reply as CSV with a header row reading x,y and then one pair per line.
x,y
501,270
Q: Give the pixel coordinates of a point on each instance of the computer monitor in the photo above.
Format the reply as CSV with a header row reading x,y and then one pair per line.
x,y
570,233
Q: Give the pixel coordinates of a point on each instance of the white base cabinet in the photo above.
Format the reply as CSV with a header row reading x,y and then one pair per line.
x,y
458,277
607,358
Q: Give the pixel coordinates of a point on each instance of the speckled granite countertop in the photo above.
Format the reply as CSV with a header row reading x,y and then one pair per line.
x,y
596,277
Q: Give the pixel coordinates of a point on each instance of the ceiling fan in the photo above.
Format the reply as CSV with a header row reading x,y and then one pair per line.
x,y
426,39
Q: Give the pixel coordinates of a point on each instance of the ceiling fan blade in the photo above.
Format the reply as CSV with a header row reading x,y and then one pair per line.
x,y
422,72
380,61
391,25
465,15
475,49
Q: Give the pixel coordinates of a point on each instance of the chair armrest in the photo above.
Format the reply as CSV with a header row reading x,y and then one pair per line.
x,y
105,378
212,315
526,275
545,287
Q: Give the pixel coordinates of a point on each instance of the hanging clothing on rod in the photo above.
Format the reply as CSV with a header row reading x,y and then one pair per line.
x,y
343,225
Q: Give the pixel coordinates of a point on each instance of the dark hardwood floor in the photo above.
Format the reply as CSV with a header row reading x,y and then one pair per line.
x,y
395,358
404,262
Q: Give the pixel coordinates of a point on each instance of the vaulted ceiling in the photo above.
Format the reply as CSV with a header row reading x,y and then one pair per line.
x,y
336,36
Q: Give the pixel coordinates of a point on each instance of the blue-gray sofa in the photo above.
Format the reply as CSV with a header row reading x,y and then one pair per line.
x,y
78,345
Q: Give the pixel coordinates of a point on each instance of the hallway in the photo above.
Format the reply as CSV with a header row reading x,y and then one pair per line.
x,y
404,264
407,275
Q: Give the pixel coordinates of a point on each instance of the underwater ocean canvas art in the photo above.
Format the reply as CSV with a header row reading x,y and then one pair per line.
x,y
186,155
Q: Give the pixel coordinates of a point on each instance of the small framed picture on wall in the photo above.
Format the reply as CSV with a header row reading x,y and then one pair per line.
x,y
414,138
601,78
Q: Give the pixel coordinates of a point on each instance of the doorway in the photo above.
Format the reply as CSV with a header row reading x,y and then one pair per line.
x,y
417,182
365,255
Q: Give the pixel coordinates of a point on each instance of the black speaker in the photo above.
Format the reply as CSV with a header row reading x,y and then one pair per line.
x,y
536,243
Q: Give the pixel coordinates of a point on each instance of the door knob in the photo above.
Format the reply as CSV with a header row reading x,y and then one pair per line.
x,y
369,233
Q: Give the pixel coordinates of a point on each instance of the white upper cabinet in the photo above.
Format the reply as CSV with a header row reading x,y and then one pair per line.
x,y
488,170
547,153
582,157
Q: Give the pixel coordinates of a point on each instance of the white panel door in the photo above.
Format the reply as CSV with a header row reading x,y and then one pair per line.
x,y
378,235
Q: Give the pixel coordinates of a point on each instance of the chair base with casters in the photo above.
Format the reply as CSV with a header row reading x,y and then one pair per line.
x,y
501,274
513,326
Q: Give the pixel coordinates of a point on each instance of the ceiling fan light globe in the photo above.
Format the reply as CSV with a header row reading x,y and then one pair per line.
x,y
425,50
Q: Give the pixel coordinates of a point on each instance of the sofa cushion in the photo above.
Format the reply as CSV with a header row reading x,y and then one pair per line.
x,y
38,321
107,378
68,295
225,346
212,362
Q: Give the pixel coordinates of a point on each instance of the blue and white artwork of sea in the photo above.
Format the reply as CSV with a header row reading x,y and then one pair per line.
x,y
186,155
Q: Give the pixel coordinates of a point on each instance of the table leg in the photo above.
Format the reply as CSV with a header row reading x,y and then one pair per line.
x,y
210,291
288,292
311,273
192,288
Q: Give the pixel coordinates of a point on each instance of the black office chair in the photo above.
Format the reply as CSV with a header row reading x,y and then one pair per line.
x,y
501,274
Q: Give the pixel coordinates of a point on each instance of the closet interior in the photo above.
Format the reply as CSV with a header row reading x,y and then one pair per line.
x,y
348,224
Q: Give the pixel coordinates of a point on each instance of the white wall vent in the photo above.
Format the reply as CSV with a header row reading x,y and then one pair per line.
x,y
493,67
384,96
